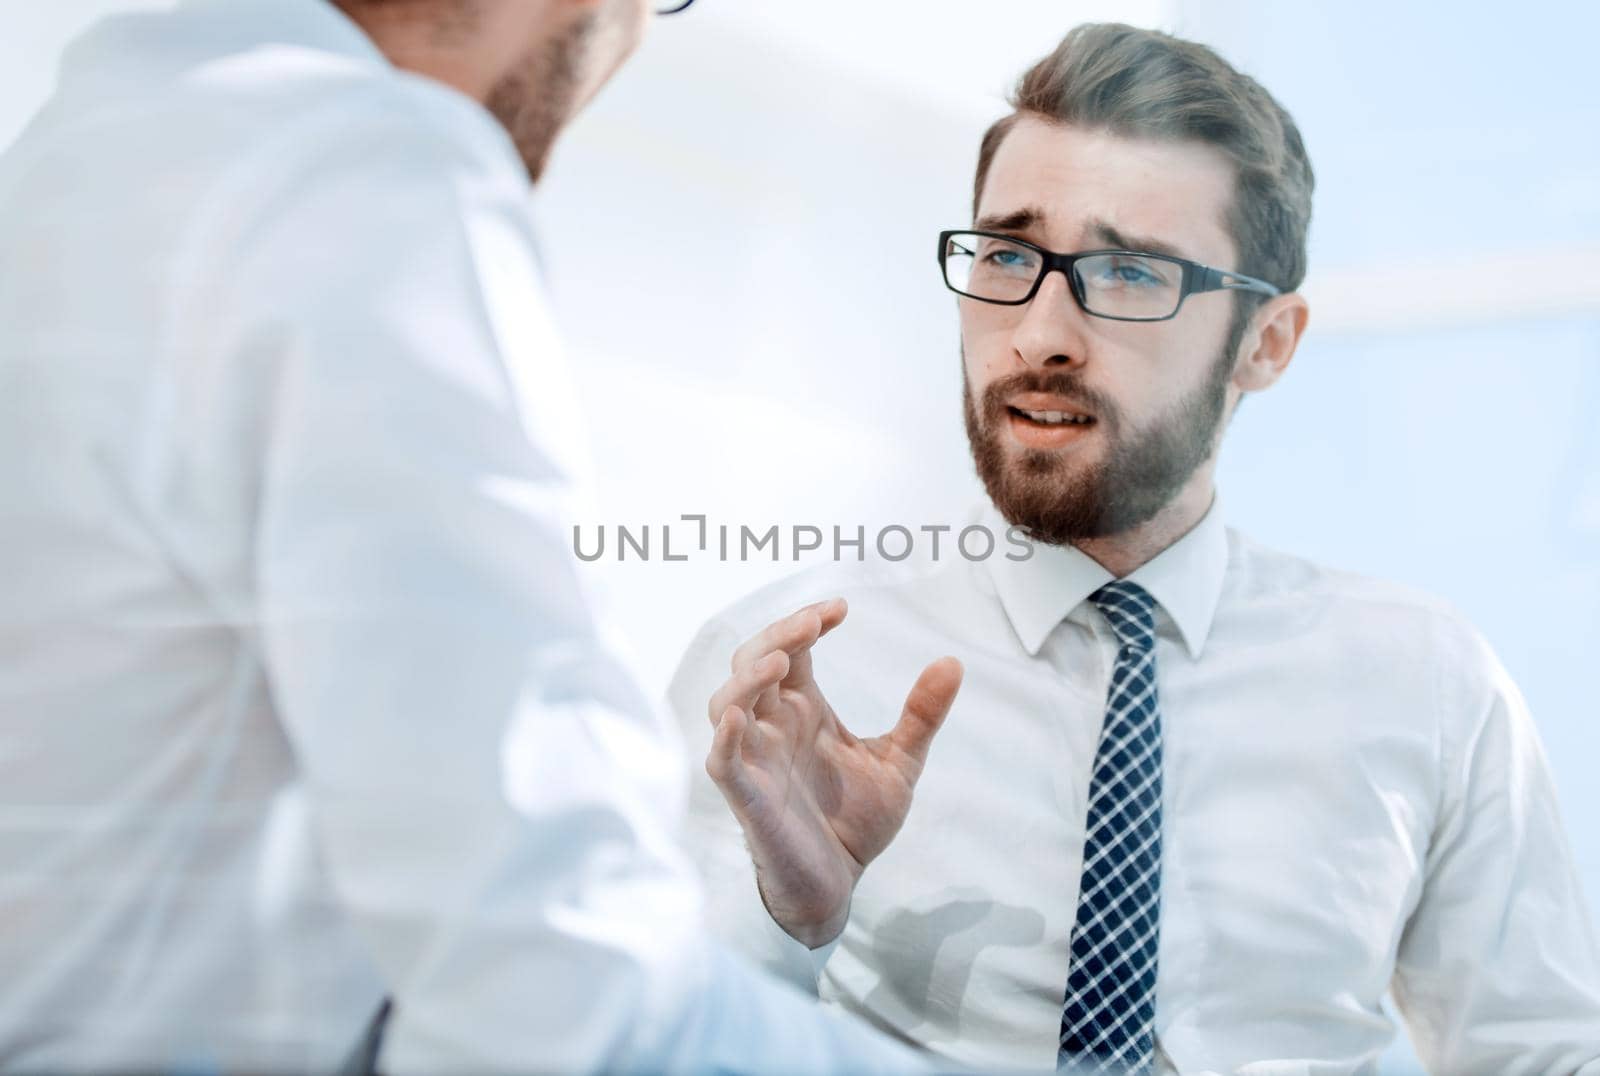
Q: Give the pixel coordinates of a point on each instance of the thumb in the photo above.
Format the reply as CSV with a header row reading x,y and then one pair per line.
x,y
926,708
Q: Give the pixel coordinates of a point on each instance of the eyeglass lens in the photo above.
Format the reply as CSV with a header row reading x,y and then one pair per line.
x,y
1114,285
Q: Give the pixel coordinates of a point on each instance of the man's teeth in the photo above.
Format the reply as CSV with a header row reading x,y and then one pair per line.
x,y
1057,417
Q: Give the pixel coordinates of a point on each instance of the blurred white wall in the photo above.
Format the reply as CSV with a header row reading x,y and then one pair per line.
x,y
740,235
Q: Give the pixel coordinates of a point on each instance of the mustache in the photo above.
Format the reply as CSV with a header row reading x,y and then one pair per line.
x,y
1064,383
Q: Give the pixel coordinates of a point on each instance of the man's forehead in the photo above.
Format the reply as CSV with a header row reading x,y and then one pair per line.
x,y
1074,185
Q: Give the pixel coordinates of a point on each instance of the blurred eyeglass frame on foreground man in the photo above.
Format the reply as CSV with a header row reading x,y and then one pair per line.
x,y
303,703
1200,803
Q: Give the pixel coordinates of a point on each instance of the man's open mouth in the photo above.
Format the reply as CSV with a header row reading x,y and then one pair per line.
x,y
1052,418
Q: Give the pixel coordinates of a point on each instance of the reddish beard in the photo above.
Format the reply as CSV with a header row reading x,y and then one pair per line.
x,y
1117,478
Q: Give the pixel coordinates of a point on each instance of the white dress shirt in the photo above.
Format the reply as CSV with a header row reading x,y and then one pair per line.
x,y
301,700
1354,798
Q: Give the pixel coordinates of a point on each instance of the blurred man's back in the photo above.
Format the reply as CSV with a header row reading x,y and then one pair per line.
x,y
128,615
282,469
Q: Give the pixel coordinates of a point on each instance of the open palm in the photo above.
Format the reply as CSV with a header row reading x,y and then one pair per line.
x,y
816,803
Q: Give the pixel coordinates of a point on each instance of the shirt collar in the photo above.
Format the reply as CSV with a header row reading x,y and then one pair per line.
x,y
1185,579
317,24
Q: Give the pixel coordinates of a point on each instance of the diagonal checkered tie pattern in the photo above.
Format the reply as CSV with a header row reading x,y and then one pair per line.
x,y
1108,1018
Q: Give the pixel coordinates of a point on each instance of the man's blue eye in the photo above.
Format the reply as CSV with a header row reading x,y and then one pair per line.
x,y
1129,274
1010,259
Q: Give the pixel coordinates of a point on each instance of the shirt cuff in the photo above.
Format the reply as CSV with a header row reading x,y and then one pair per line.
x,y
798,960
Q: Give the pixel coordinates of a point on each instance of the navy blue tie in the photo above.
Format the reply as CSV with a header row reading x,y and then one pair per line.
x,y
1108,1018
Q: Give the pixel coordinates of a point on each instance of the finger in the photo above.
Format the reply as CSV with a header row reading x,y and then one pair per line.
x,y
747,684
796,629
799,629
724,758
831,614
765,702
724,763
927,706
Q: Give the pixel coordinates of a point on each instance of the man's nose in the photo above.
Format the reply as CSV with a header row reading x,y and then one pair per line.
x,y
1052,331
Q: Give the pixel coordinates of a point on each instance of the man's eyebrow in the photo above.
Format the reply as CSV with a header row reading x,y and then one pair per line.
x,y
1018,220
1106,233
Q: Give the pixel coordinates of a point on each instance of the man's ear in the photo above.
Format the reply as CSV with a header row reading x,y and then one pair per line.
x,y
1269,343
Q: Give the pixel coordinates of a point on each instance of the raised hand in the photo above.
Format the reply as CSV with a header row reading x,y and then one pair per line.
x,y
816,803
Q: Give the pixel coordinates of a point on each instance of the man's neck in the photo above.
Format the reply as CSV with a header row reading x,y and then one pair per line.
x,y
1121,554
443,43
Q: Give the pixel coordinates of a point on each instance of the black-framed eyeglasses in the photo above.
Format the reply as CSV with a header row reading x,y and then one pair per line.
x,y
1123,285
673,9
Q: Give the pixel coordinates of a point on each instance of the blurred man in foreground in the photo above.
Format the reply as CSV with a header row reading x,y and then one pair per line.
x,y
303,705
1201,803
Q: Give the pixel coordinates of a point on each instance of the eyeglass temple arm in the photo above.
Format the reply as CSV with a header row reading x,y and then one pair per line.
x,y
1221,280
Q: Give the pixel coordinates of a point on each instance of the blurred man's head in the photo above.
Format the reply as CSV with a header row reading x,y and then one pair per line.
x,y
533,63
1085,427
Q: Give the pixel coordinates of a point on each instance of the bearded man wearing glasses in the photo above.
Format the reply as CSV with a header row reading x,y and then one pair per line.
x,y
1200,803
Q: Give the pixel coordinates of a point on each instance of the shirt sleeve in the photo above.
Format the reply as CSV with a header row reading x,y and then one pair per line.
x,y
1498,970
495,804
